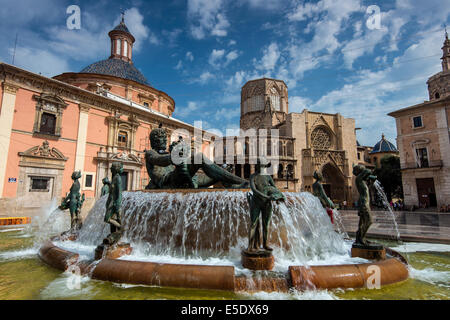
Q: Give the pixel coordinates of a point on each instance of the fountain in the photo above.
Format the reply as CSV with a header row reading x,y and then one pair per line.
x,y
201,238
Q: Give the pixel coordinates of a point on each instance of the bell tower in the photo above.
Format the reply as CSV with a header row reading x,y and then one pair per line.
x,y
446,53
439,84
264,103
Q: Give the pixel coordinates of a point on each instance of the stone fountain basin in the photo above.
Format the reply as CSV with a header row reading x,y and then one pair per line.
x,y
392,270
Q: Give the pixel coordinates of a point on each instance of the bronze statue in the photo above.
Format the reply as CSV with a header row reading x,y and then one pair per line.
x,y
260,202
319,192
74,201
364,177
106,186
114,204
164,174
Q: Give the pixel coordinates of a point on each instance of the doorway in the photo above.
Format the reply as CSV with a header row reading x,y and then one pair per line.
x,y
124,176
426,192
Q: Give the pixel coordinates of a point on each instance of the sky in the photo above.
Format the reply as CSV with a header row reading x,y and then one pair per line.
x,y
335,56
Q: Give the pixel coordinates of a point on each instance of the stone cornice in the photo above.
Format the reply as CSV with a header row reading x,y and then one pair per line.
x,y
16,77
84,107
10,88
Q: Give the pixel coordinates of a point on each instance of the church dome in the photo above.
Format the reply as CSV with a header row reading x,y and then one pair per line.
x,y
117,68
120,63
383,146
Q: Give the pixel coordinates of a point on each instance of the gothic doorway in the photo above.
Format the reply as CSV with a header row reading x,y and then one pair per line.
x,y
426,192
334,183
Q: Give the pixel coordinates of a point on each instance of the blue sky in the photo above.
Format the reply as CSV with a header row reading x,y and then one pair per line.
x,y
201,52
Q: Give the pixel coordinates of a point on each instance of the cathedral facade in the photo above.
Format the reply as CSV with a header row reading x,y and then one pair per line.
x,y
307,141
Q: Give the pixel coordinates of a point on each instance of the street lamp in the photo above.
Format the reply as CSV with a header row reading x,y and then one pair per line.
x,y
288,174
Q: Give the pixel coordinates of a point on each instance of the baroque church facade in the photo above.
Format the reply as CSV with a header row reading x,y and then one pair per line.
x,y
50,127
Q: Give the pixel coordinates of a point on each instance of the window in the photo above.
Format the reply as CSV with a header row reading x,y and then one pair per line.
x,y
88,181
146,105
48,116
422,157
125,49
39,184
437,95
122,139
417,122
359,156
118,43
48,123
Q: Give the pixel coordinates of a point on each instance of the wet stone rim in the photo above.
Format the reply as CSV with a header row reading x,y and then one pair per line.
x,y
392,270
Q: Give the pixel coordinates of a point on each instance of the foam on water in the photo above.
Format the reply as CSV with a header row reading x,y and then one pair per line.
x,y
213,226
423,247
18,254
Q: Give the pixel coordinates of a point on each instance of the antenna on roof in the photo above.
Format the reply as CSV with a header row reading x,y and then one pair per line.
x,y
14,52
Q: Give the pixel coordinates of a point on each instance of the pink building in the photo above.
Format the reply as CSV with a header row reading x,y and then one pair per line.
x,y
85,121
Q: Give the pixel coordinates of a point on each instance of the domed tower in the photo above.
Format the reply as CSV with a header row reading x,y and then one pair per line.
x,y
439,84
264,103
121,42
381,149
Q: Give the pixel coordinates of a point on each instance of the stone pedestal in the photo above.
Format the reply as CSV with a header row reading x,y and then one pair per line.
x,y
112,251
370,252
257,260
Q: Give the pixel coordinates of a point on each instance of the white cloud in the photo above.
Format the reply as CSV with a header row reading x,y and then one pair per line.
x,y
189,56
271,54
232,55
179,65
204,77
215,57
207,17
297,103
172,36
186,111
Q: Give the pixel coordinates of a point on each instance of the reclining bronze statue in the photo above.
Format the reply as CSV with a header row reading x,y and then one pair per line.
x,y
165,174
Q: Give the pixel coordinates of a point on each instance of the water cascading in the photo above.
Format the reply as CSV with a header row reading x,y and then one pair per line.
x,y
215,224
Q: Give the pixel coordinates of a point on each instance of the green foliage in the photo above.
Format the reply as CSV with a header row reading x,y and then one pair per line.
x,y
390,176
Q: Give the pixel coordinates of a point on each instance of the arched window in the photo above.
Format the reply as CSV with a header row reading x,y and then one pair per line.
x,y
118,46
125,48
437,95
280,171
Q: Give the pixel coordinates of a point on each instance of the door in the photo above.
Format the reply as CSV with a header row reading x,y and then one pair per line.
x,y
124,176
426,192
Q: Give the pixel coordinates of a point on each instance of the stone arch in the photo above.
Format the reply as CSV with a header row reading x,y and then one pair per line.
x,y
333,182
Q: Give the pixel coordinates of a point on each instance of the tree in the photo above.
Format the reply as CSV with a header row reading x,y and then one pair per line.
x,y
390,176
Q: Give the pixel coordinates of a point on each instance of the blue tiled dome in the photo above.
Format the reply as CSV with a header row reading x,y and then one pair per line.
x,y
122,27
117,68
384,146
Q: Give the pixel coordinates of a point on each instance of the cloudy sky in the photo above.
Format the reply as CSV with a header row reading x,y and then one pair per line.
x,y
333,55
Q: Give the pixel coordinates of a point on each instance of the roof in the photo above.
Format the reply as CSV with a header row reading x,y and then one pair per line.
x,y
384,146
117,68
122,27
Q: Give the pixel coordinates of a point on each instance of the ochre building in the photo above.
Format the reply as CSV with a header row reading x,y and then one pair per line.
x,y
423,139
85,121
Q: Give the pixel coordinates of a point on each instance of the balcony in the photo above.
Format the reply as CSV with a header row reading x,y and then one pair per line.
x,y
425,164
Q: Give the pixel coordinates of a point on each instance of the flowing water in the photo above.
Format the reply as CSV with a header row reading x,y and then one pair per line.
x,y
388,209
206,228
